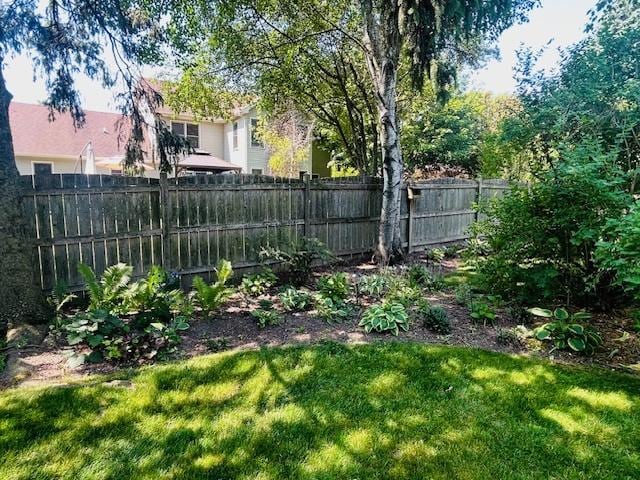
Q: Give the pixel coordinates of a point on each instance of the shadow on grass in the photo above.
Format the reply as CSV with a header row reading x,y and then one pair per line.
x,y
331,411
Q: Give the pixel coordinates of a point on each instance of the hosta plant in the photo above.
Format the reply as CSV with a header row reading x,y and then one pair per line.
x,y
294,300
333,311
373,285
385,317
266,314
257,284
565,332
482,312
335,286
211,296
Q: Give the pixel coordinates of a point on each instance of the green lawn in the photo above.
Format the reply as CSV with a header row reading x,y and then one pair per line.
x,y
373,411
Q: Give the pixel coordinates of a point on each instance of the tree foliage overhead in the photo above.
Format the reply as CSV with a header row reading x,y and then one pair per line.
x,y
594,94
436,31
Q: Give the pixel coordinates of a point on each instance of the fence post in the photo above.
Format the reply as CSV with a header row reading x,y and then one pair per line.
x,y
165,209
307,205
478,196
409,218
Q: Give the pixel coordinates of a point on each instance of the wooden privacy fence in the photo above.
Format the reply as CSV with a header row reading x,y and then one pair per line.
x,y
190,223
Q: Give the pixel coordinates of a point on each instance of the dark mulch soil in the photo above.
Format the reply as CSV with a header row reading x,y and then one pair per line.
x,y
235,328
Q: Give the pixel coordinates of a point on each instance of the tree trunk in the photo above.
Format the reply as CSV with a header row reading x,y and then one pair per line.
x,y
21,300
382,43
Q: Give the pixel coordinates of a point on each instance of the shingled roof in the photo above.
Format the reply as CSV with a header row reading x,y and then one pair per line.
x,y
34,135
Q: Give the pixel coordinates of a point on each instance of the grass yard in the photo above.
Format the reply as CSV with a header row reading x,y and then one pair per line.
x,y
393,410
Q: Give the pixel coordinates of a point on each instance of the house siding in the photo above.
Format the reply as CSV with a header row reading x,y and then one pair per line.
x,y
59,164
257,157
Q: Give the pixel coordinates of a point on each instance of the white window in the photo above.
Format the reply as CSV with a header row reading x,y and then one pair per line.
x,y
255,140
42,168
190,131
235,135
256,171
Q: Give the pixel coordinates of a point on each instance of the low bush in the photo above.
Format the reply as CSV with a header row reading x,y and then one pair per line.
x,y
257,284
435,255
420,276
107,292
332,311
482,312
404,294
218,344
298,258
294,300
385,317
463,294
564,332
126,321
516,336
266,314
335,286
563,239
373,285
209,297
435,319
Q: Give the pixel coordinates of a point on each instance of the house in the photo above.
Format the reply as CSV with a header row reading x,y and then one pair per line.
x,y
41,146
220,146
235,141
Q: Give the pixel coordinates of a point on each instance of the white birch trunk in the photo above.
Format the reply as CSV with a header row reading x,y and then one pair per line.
x,y
382,41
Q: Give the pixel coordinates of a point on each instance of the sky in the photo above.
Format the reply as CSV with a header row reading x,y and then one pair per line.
x,y
560,20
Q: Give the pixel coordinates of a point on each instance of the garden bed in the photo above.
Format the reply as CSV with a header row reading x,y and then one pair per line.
x,y
233,327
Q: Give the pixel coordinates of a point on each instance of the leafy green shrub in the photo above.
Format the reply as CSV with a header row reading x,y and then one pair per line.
x,y
543,238
332,311
266,315
294,300
334,286
298,258
482,312
435,319
152,300
385,317
420,276
139,320
404,294
258,284
463,294
211,297
618,253
564,332
373,285
107,292
218,344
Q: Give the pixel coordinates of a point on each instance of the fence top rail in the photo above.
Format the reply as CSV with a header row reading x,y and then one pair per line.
x,y
233,179
62,181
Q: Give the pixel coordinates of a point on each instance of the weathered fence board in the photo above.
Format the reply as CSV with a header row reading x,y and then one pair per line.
x,y
190,223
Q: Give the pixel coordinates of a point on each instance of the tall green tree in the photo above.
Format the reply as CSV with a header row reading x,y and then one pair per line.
x,y
63,38
297,34
593,95
430,30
